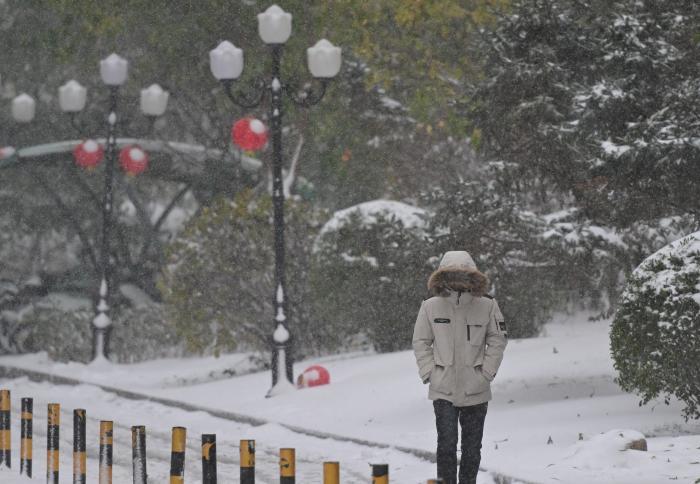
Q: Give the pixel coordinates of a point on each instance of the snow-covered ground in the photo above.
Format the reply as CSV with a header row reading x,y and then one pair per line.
x,y
159,419
558,386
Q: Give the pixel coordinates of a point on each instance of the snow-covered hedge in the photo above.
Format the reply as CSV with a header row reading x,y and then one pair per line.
x,y
218,281
61,326
370,267
655,338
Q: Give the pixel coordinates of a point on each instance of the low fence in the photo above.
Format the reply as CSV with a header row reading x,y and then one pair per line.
x,y
287,460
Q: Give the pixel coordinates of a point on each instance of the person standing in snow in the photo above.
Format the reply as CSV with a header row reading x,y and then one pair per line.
x,y
458,340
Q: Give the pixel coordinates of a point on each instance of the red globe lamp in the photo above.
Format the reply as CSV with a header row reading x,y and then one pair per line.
x,y
88,154
249,134
133,160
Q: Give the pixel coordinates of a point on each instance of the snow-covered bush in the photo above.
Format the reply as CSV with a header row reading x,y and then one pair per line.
x,y
655,337
592,261
505,243
61,325
219,281
370,270
145,332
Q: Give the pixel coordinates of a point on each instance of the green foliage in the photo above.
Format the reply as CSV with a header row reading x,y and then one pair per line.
x,y
654,337
503,239
138,333
64,335
420,50
591,99
218,285
369,278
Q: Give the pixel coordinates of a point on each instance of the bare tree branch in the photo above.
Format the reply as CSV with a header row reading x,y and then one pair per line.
x,y
291,174
69,216
178,196
148,243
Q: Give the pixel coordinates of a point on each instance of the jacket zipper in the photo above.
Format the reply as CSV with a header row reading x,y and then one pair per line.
x,y
469,335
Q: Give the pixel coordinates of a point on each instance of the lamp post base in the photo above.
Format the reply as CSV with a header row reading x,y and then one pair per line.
x,y
281,382
281,387
100,343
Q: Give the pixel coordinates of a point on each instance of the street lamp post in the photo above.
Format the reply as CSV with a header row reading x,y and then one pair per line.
x,y
324,61
72,99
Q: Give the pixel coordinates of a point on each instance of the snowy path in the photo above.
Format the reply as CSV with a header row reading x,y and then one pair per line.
x,y
560,385
159,419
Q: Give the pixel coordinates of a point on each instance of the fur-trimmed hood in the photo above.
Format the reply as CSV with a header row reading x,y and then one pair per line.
x,y
457,272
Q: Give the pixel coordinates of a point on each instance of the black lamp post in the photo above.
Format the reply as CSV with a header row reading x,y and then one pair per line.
x,y
324,60
72,98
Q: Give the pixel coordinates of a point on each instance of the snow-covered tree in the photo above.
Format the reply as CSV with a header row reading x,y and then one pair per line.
x,y
596,100
655,338
218,283
504,240
370,270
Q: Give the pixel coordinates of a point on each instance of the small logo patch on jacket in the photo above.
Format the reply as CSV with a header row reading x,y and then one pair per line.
x,y
441,321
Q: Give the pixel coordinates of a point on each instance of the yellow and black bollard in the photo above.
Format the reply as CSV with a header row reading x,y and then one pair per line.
x,y
52,433
209,459
5,435
177,456
106,445
79,457
247,462
287,466
380,474
26,431
138,451
331,473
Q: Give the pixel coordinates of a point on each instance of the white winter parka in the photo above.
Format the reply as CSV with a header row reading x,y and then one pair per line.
x,y
460,335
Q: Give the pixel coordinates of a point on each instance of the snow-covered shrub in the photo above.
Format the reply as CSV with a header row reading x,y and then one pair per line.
x,y
145,333
370,271
61,325
505,243
63,333
219,281
593,260
655,337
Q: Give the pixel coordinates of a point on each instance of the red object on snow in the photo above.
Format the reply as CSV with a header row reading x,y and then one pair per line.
x,y
249,134
88,154
314,376
133,160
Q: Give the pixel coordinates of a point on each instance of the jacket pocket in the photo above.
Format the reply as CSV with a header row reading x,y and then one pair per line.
x,y
476,333
443,345
442,379
476,381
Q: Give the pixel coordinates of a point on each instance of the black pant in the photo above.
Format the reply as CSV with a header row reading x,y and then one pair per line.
x,y
471,419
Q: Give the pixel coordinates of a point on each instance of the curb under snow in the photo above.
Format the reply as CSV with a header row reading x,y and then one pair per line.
x,y
15,372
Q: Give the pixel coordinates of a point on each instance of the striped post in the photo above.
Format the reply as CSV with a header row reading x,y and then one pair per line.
x,y
247,462
380,474
52,432
177,456
106,444
5,432
79,457
209,459
331,473
138,451
287,466
26,431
